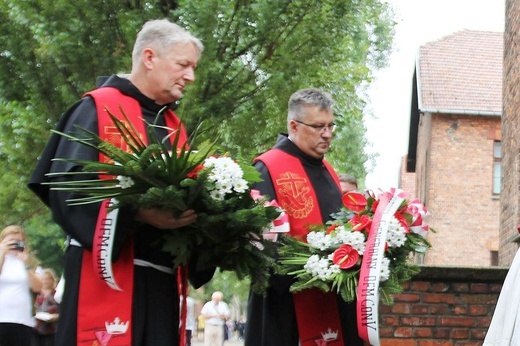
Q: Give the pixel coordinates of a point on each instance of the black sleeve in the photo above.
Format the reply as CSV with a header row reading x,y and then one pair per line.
x,y
78,222
199,277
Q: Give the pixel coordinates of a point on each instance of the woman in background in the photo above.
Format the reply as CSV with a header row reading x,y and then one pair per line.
x,y
17,280
47,310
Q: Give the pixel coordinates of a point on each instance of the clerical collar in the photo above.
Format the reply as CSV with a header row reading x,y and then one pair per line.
x,y
129,89
286,144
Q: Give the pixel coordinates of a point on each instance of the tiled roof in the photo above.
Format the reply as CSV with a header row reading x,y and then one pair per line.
x,y
462,72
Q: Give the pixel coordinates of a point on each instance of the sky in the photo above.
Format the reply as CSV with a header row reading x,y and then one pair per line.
x,y
388,109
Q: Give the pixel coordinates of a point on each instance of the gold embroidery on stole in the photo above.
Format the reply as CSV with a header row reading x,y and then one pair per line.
x,y
298,202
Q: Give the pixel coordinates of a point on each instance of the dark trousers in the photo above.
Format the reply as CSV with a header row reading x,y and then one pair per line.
x,y
42,340
15,334
188,337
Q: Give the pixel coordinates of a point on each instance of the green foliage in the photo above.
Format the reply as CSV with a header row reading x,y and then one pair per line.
x,y
226,282
249,69
257,53
46,241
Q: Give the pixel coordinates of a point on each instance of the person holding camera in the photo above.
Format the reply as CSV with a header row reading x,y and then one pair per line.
x,y
17,279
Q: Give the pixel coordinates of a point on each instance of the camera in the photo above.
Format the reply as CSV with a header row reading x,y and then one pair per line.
x,y
19,246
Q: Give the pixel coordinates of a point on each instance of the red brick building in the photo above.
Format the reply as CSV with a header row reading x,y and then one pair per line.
x,y
510,196
460,109
406,179
454,145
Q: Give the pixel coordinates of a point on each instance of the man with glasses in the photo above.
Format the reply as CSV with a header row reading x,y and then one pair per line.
x,y
295,173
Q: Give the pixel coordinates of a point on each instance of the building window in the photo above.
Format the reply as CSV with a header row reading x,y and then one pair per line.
x,y
497,166
494,258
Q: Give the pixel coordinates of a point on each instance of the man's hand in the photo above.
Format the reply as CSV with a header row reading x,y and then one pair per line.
x,y
165,220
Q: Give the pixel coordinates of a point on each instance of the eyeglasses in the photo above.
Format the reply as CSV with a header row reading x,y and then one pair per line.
x,y
319,128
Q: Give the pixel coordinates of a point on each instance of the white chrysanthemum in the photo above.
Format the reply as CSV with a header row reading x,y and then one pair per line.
x,y
224,186
396,235
319,240
321,267
125,182
217,195
226,176
224,166
385,269
240,185
338,232
355,239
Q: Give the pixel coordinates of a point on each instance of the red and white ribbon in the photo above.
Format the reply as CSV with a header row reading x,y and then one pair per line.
x,y
278,225
369,278
103,244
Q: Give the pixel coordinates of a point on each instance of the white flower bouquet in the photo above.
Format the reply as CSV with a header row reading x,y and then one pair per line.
x,y
230,222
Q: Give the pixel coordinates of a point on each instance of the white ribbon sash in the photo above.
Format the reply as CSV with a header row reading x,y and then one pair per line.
x,y
368,289
103,245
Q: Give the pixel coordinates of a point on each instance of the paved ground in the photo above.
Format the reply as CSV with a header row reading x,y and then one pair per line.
x,y
226,343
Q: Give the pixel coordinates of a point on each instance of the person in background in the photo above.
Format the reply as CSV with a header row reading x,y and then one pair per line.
x,y
201,325
348,183
216,313
190,319
305,185
47,310
17,280
142,311
229,329
240,327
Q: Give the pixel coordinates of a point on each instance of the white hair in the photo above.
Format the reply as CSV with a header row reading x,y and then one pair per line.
x,y
161,35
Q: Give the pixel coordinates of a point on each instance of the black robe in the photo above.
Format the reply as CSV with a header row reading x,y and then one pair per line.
x,y
271,320
156,305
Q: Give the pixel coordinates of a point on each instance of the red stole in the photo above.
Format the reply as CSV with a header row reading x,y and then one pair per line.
x,y
294,192
317,313
106,289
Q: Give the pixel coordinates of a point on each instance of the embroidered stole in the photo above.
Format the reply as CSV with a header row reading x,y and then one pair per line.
x,y
106,288
316,311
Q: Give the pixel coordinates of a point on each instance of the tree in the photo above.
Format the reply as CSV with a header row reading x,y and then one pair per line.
x,y
257,53
260,52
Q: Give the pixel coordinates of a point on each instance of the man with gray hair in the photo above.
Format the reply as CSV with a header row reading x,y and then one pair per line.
x,y
348,183
295,173
143,309
216,313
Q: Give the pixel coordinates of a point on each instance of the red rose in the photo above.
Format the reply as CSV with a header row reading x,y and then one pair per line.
x,y
345,257
354,201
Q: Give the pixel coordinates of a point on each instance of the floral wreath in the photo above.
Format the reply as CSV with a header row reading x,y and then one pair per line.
x,y
331,256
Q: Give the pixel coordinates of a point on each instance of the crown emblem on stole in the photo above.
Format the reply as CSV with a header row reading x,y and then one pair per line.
x,y
330,335
116,327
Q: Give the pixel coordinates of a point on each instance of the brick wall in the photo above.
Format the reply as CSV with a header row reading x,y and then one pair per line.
x,y
454,178
443,306
510,196
406,179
